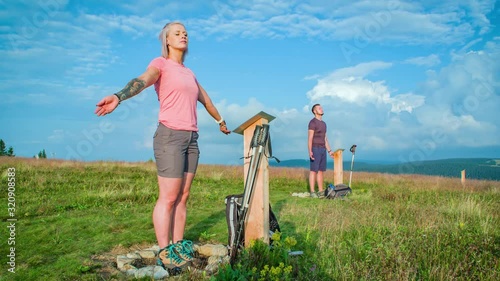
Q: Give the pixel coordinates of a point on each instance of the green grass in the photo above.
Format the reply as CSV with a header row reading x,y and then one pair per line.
x,y
393,227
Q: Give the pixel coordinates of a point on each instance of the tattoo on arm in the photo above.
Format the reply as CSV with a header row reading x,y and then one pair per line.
x,y
133,87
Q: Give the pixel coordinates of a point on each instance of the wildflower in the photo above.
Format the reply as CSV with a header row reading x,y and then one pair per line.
x,y
290,241
276,236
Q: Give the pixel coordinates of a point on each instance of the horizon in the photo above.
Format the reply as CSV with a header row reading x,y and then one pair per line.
x,y
272,162
405,81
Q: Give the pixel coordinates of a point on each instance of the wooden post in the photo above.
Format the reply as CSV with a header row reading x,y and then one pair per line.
x,y
338,167
257,223
463,177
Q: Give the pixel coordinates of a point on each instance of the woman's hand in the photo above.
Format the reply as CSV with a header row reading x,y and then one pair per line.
x,y
223,128
107,105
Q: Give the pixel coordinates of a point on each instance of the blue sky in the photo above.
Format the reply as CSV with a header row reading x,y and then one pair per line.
x,y
404,80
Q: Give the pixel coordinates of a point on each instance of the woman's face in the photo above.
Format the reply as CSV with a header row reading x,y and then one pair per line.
x,y
177,37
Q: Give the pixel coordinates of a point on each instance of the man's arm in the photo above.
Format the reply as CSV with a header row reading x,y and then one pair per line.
x,y
328,147
310,135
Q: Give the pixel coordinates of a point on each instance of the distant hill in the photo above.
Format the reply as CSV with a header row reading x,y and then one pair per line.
x,y
475,168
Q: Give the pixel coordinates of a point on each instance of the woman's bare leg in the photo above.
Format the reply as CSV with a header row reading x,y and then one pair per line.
x,y
169,189
180,210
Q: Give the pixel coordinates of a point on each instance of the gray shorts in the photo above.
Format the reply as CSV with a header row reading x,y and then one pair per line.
x,y
176,152
319,163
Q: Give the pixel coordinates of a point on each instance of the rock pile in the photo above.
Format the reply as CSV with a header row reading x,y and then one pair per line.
x,y
142,262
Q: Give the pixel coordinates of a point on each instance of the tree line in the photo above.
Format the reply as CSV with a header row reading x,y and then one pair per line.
x,y
4,151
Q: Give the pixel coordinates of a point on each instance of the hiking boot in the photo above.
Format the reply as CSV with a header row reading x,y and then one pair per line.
x,y
314,195
184,249
168,258
321,194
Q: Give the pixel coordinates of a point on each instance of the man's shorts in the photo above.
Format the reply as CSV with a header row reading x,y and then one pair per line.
x,y
176,152
319,162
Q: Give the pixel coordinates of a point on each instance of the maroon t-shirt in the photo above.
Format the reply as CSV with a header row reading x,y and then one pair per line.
x,y
319,128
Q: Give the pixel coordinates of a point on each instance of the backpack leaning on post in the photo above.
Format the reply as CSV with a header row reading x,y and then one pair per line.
x,y
233,219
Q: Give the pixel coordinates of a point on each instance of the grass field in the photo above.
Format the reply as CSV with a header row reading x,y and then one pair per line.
x,y
393,227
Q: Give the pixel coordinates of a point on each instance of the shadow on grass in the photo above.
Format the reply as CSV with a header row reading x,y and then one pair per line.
x,y
208,222
305,266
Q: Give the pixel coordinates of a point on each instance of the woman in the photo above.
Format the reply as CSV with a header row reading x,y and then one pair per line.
x,y
175,141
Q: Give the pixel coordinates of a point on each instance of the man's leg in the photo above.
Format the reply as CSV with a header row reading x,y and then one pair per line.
x,y
321,155
312,180
320,181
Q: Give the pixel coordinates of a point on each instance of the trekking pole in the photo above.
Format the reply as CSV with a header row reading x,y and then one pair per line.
x,y
353,150
252,167
253,145
260,135
259,140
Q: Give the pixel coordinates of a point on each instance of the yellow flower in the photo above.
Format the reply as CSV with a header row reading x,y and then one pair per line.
x,y
290,241
276,236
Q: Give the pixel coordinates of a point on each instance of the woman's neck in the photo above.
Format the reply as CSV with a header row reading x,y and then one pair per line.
x,y
176,56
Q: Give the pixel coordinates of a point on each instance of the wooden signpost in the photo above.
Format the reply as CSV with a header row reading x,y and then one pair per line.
x,y
257,223
338,169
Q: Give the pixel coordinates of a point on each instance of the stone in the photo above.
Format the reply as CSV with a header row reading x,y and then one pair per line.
x,y
214,259
213,263
160,273
122,261
208,250
147,254
154,248
211,268
213,255
147,271
135,256
157,272
128,267
301,194
131,272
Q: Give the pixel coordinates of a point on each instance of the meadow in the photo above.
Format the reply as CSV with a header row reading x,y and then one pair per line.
x,y
392,227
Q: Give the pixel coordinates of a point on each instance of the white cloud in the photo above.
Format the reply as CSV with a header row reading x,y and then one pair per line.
x,y
361,69
349,85
456,106
84,45
406,102
358,23
429,61
463,98
57,136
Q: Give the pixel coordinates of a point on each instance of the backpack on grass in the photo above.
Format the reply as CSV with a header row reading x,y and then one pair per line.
x,y
337,191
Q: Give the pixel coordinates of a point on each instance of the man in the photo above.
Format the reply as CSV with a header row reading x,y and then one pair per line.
x,y
318,148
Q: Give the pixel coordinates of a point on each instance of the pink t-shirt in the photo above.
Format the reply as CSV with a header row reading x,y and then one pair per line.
x,y
177,91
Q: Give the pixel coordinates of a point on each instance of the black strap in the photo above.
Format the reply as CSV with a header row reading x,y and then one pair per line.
x,y
268,145
269,149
